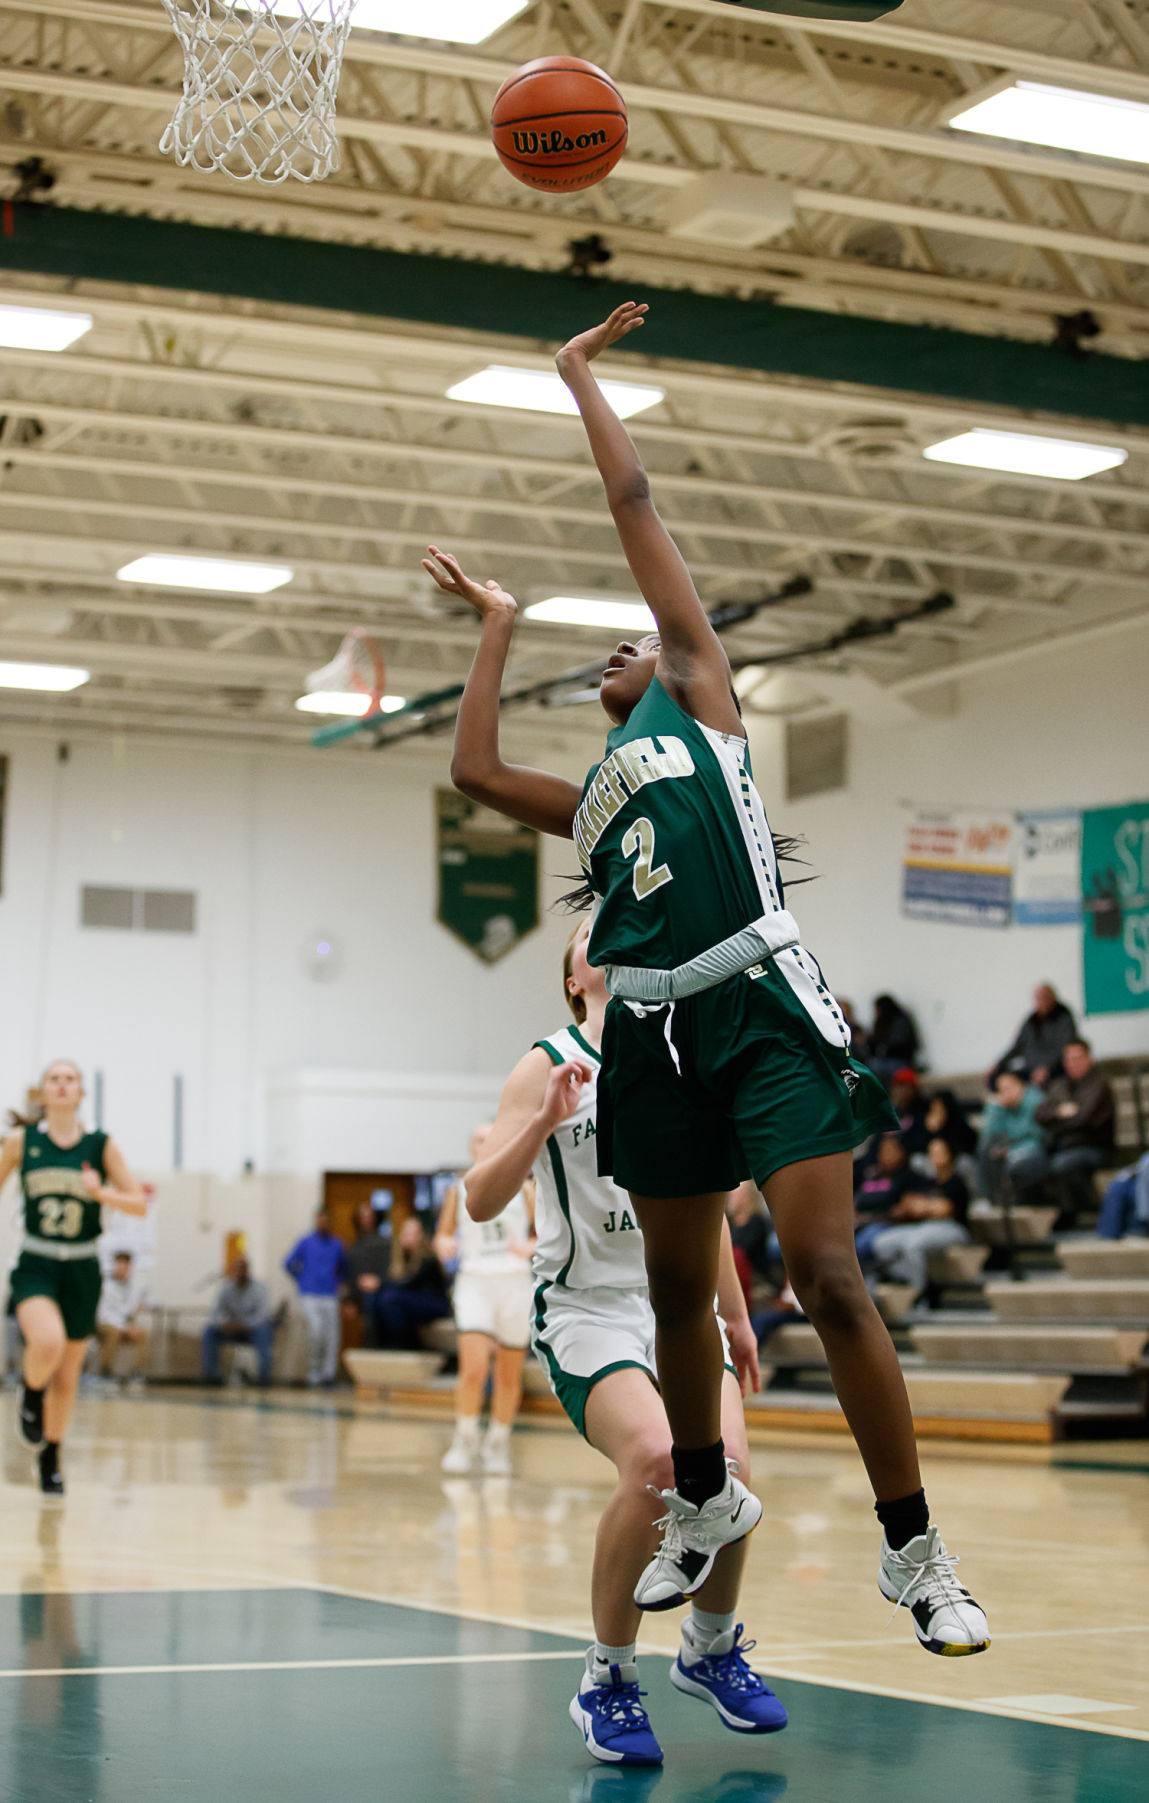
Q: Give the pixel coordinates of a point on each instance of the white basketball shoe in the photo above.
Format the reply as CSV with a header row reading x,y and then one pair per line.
x,y
921,1578
692,1539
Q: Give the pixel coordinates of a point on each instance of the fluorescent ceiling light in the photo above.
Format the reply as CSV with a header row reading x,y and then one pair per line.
x,y
41,328
540,392
588,610
348,702
458,21
46,677
1064,118
1025,454
221,573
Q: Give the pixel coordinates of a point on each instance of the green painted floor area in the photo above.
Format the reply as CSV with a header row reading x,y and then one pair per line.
x,y
479,1729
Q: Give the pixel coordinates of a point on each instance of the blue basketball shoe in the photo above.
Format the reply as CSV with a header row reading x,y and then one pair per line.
x,y
722,1677
614,1724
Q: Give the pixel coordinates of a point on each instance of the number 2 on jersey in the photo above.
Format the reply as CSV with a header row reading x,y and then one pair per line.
x,y
640,839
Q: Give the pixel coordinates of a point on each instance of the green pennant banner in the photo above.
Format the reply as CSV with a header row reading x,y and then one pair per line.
x,y
488,876
1115,901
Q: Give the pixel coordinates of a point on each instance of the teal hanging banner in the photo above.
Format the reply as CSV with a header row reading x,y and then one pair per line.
x,y
488,876
1115,901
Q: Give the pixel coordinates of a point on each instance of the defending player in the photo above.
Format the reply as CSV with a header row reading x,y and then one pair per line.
x,y
594,1333
67,1174
723,1050
492,1304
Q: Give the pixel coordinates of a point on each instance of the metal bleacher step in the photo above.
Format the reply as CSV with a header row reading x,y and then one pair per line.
x,y
1104,1258
1068,1300
1057,1347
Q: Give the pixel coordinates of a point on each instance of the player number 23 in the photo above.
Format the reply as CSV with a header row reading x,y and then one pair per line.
x,y
61,1219
639,841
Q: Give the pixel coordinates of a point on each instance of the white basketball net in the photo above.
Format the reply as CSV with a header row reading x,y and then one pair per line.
x,y
260,80
357,668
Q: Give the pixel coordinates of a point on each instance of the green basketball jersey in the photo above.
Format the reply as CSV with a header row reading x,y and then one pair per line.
x,y
674,838
58,1205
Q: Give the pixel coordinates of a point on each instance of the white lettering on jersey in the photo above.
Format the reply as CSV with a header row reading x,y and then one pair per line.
x,y
620,776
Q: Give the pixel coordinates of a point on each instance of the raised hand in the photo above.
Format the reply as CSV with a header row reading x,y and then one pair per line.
x,y
485,597
564,1087
588,345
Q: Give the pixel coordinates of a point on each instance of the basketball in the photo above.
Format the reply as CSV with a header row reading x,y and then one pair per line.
x,y
558,123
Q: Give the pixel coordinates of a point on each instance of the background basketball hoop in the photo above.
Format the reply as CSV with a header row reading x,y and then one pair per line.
x,y
260,80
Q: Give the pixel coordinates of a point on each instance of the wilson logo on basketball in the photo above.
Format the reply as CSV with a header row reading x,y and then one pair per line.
x,y
550,143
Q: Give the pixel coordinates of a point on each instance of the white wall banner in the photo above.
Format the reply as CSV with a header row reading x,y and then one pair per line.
x,y
1047,868
958,866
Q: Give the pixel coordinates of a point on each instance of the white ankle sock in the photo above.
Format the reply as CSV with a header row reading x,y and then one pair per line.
x,y
499,1430
606,1656
704,1628
467,1429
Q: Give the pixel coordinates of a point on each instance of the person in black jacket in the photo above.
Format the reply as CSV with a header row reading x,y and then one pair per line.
x,y
417,1295
1041,1039
893,1038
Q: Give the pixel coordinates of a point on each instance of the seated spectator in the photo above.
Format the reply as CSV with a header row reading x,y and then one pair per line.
x,y
368,1266
907,1103
945,1118
928,1217
749,1235
885,1177
240,1317
1041,1040
893,1038
1125,1208
1009,1131
1077,1116
417,1295
784,1307
118,1323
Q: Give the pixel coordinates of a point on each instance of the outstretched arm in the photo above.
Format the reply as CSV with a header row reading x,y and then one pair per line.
x,y
538,1097
692,662
534,797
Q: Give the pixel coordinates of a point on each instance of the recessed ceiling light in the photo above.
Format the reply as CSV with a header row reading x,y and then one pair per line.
x,y
593,610
457,21
41,328
540,392
54,678
232,578
1025,454
349,702
1064,119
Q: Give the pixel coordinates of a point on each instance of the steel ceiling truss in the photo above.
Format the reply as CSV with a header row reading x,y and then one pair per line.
x,y
892,208
190,425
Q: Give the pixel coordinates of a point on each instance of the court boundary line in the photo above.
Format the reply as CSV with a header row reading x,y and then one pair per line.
x,y
279,1665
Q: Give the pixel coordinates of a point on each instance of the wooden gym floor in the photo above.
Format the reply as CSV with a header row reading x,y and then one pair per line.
x,y
284,1600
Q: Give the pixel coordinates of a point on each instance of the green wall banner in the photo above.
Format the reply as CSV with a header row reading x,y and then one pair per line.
x,y
1115,900
488,876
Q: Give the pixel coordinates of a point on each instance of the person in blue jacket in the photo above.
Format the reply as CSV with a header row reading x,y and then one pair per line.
x,y
318,1264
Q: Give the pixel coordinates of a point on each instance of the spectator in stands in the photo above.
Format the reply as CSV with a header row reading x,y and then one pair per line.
x,y
240,1317
368,1261
893,1038
908,1105
1009,1132
416,1295
928,1217
749,1235
885,1177
1041,1040
945,1118
319,1265
1125,1207
1077,1115
122,1302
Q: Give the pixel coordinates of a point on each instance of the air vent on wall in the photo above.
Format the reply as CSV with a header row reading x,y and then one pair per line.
x,y
138,910
815,756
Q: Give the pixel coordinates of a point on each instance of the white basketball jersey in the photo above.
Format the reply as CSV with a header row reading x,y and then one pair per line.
x,y
485,1246
587,1232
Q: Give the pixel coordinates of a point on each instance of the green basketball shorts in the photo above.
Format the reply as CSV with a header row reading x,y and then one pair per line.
x,y
735,1082
72,1284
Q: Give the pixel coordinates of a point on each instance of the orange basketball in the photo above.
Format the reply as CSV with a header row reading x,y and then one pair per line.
x,y
559,124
